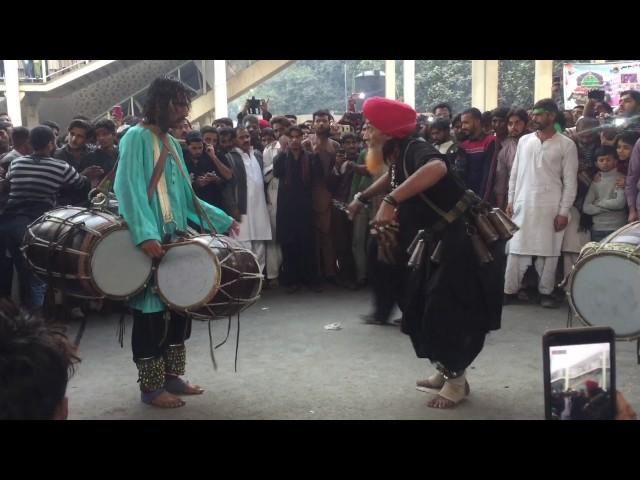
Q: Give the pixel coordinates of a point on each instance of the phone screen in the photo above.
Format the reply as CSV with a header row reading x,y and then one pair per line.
x,y
580,382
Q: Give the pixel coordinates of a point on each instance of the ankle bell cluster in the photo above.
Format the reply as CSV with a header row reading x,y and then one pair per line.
x,y
175,360
150,373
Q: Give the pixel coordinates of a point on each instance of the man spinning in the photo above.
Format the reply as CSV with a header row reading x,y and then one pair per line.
x,y
451,299
156,200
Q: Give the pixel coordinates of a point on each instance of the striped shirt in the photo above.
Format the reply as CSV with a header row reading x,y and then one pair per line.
x,y
35,181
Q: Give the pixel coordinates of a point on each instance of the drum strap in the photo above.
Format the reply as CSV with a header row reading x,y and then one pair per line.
x,y
159,181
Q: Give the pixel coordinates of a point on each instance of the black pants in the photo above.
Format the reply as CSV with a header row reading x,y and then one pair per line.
x,y
387,282
152,334
455,351
299,263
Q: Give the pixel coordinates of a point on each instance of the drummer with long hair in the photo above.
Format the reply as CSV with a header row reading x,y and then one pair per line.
x,y
156,200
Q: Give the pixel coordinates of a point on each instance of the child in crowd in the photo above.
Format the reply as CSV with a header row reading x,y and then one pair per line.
x,y
605,200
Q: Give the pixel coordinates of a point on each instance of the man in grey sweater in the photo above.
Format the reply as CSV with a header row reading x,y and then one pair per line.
x,y
605,201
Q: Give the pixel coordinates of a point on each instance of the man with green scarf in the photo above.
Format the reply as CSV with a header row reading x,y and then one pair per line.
x,y
156,202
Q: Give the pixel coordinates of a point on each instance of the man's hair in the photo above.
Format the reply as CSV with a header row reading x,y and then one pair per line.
x,y
51,124
292,117
107,124
500,112
521,113
442,105
19,136
440,124
36,362
587,123
578,106
629,137
284,121
208,129
605,150
546,104
161,92
5,126
632,93
267,132
456,119
349,136
485,119
193,136
322,113
249,118
224,132
474,112
4,113
83,124
294,128
81,117
224,121
40,137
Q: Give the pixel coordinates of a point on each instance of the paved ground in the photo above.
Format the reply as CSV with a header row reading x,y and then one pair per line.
x,y
289,367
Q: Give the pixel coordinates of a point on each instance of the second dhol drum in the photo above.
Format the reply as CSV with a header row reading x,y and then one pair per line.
x,y
86,253
208,276
604,284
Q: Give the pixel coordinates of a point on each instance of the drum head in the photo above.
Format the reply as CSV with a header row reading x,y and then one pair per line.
x,y
605,292
188,276
119,269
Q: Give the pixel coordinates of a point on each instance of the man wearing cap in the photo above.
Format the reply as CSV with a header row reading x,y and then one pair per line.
x,y
450,302
542,189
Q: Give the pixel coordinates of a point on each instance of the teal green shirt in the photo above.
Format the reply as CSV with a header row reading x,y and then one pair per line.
x,y
144,217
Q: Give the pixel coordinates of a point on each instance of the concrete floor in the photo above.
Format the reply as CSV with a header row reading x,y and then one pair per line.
x,y
290,367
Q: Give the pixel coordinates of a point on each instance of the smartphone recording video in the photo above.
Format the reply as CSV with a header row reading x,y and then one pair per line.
x,y
579,374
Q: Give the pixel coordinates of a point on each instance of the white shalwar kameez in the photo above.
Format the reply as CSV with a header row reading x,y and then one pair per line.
x,y
542,185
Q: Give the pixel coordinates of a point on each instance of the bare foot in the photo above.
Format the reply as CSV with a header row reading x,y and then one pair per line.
x,y
445,403
167,400
178,386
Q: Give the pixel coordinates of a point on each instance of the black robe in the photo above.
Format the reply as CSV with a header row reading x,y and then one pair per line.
x,y
449,306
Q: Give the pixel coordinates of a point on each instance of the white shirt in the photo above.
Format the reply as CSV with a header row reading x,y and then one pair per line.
x,y
542,185
255,225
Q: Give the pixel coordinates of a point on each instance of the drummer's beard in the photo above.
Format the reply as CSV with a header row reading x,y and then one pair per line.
x,y
374,160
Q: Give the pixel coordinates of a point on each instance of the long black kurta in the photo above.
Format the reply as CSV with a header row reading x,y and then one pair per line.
x,y
449,306
294,217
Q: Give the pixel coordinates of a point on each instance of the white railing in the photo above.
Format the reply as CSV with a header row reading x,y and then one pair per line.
x,y
42,71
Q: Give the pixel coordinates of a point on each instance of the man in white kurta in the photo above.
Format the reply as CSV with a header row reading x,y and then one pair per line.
x,y
542,189
255,227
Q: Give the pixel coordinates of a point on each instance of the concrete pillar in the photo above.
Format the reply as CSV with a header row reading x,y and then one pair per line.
x,y
543,79
390,79
220,88
12,92
484,84
409,77
32,115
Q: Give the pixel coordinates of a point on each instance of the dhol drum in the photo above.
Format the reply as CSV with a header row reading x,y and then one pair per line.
x,y
604,284
86,253
208,277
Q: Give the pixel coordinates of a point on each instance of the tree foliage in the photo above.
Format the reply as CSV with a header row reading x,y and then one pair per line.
x,y
308,85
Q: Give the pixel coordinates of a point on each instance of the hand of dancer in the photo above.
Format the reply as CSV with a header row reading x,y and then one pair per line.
x,y
234,229
354,208
386,214
152,248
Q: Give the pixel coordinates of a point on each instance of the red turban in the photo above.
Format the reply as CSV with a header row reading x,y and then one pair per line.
x,y
591,385
264,123
391,117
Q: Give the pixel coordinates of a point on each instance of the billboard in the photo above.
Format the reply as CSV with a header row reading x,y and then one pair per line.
x,y
613,78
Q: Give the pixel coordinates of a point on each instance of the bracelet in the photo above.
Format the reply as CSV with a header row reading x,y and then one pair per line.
x,y
358,197
391,201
